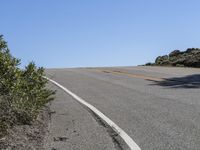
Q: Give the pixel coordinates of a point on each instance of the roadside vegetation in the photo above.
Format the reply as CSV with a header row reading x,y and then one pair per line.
x,y
188,58
23,92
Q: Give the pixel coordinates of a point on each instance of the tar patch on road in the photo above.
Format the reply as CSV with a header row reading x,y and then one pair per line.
x,y
117,140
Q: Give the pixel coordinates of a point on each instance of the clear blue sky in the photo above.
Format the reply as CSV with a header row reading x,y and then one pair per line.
x,y
78,33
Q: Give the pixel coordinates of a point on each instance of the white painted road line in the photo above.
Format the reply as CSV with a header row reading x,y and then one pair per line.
x,y
129,141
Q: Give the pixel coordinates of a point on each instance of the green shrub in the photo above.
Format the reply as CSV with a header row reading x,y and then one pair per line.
x,y
22,92
148,64
188,58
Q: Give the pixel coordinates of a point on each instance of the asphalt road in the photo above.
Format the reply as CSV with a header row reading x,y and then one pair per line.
x,y
158,107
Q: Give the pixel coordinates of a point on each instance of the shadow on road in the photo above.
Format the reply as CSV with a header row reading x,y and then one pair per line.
x,y
191,81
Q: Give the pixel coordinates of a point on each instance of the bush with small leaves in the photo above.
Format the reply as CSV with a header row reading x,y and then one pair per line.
x,y
188,58
22,92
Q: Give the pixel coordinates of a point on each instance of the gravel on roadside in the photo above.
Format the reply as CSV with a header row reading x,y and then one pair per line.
x,y
29,137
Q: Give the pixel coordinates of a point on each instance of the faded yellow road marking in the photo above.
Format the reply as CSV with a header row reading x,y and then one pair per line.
x,y
140,76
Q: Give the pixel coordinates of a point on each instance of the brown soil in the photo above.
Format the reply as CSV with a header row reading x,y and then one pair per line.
x,y
28,137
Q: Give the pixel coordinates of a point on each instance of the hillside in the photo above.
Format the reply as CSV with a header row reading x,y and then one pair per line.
x,y
188,58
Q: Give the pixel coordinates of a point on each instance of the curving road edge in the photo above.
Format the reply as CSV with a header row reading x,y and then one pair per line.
x,y
127,139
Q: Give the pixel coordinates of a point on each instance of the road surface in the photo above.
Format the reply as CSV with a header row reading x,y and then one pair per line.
x,y
158,107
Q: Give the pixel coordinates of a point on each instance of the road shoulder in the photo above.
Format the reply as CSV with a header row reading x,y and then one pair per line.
x,y
72,127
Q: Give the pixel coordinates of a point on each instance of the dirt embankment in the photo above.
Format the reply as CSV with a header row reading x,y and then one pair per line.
x,y
28,137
